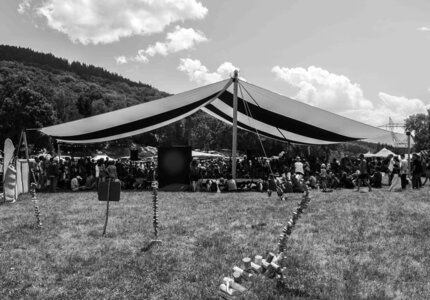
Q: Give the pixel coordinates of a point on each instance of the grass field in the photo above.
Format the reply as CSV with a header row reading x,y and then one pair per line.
x,y
347,245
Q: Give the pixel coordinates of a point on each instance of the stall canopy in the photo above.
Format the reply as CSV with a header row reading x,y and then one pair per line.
x,y
260,111
368,154
198,154
384,152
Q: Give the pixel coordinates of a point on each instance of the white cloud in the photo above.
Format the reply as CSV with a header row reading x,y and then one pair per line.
x,y
121,60
201,75
91,21
24,6
140,57
321,88
423,28
179,40
401,107
336,93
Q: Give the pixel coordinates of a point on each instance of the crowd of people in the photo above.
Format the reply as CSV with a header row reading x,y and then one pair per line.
x,y
282,174
286,175
53,174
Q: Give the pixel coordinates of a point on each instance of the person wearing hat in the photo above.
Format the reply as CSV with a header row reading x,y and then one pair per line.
x,y
364,174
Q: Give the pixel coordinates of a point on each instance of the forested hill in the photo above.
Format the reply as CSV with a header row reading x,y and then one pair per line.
x,y
47,60
38,89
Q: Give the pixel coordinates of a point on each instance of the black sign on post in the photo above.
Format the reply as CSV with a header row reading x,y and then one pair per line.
x,y
114,191
174,165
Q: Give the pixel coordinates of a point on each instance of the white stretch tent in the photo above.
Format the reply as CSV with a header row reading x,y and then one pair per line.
x,y
384,152
261,111
368,154
198,154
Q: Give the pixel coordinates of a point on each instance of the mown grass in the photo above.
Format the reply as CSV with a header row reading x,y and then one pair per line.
x,y
348,245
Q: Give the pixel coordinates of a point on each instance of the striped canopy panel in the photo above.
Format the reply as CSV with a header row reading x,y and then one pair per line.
x,y
260,111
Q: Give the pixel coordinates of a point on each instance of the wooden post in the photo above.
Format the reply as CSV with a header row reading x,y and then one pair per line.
x,y
234,142
19,143
107,209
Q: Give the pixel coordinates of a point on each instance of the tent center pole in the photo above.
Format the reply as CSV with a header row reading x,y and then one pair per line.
x,y
234,142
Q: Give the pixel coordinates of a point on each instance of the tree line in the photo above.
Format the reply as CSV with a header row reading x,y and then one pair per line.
x,y
27,55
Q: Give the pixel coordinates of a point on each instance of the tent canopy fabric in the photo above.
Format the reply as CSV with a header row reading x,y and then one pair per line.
x,y
198,154
384,152
369,154
135,119
260,111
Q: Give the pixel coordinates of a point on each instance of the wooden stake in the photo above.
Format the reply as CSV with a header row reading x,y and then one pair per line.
x,y
107,209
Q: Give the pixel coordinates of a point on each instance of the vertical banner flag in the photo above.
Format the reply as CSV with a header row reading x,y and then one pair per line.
x,y
9,172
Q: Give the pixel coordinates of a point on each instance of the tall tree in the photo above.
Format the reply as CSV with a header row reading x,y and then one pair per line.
x,y
419,124
25,109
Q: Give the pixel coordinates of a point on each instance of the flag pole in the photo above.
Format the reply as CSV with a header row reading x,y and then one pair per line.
x,y
234,142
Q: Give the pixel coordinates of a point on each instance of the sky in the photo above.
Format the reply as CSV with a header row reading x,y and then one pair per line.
x,y
367,60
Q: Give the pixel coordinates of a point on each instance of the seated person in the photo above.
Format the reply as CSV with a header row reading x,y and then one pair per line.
x,y
221,184
231,184
376,179
333,181
74,183
212,186
90,182
297,184
312,181
346,181
288,186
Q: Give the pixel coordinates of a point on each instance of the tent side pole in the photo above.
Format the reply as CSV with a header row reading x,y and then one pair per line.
x,y
234,142
33,185
19,143
408,133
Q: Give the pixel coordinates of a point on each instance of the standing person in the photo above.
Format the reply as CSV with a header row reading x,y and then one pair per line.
x,y
403,171
271,184
417,170
427,170
102,171
36,171
53,172
42,176
111,171
97,172
390,168
323,177
364,174
194,174
298,166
